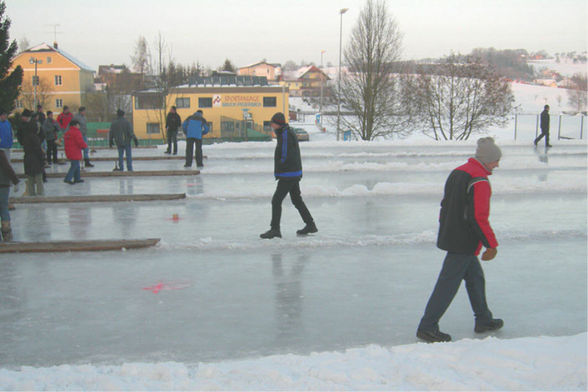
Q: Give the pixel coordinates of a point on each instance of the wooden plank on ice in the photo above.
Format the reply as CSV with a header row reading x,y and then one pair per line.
x,y
142,173
97,198
75,246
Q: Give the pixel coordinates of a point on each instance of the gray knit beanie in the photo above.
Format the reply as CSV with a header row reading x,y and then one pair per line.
x,y
487,152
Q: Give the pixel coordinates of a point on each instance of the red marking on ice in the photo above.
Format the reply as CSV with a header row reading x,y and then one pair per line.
x,y
165,286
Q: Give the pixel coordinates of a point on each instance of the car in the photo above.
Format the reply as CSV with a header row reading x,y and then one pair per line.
x,y
301,135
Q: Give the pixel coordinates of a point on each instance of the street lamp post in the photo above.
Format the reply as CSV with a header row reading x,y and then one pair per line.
x,y
341,12
322,83
35,61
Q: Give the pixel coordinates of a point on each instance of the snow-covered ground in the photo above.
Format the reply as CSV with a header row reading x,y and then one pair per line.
x,y
215,307
524,364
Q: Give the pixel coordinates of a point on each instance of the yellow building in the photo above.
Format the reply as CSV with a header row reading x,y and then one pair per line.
x,y
305,82
63,80
230,110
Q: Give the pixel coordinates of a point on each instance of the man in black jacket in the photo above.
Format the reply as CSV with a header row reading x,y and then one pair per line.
x,y
172,123
544,126
288,172
121,134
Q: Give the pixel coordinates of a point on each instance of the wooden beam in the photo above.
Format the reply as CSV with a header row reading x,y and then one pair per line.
x,y
75,246
113,159
143,173
96,198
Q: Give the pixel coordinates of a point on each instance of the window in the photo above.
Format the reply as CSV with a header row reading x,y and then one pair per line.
x,y
267,126
149,101
269,102
182,103
58,80
152,128
204,102
59,103
49,60
18,104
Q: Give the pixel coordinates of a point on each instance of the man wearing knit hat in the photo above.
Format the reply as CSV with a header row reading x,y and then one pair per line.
x,y
288,172
463,230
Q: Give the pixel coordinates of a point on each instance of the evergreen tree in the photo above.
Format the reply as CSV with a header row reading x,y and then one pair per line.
x,y
9,81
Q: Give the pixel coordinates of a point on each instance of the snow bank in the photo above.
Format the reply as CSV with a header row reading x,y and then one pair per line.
x,y
538,363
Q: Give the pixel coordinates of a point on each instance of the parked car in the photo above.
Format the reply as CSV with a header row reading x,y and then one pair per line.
x,y
301,135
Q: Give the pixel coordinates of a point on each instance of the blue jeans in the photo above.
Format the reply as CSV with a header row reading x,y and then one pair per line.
x,y
86,150
74,171
4,192
121,152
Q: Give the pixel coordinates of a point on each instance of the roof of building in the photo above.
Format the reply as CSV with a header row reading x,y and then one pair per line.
x,y
275,65
44,47
300,72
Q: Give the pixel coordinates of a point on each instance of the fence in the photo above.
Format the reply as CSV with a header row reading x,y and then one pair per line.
x,y
238,130
564,126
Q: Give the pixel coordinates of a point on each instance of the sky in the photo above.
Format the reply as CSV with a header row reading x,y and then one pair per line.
x,y
210,31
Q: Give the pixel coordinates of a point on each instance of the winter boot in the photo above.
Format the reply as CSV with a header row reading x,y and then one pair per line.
x,y
271,233
6,231
433,336
309,228
87,163
490,325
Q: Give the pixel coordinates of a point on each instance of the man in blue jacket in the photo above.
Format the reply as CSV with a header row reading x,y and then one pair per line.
x,y
288,172
194,127
5,133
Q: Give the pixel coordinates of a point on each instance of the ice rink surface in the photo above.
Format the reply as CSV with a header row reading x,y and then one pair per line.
x,y
212,290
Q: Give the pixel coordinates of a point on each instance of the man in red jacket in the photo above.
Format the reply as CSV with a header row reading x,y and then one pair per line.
x,y
74,144
64,118
463,230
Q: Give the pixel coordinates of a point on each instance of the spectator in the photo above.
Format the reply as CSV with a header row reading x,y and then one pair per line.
x,y
121,134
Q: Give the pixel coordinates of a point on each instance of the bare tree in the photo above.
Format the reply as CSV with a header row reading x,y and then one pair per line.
x,y
578,96
451,100
370,90
27,93
141,59
23,44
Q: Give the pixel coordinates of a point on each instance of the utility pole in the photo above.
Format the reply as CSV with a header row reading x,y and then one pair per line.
x,y
322,84
341,12
35,80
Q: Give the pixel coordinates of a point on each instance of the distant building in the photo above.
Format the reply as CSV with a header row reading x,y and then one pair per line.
x,y
306,81
265,69
234,106
63,79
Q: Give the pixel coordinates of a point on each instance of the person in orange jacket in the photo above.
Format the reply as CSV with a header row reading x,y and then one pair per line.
x,y
74,144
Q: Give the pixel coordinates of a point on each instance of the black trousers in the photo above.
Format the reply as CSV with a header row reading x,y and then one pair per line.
x,y
457,267
190,142
543,133
291,186
51,151
172,139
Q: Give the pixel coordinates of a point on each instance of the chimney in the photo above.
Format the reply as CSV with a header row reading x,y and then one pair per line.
x,y
55,45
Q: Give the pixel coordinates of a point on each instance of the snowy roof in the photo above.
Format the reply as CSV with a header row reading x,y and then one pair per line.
x,y
275,65
300,72
44,47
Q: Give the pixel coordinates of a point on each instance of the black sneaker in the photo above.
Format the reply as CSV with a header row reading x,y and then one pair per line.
x,y
271,233
491,325
433,336
187,165
309,228
78,181
167,152
69,182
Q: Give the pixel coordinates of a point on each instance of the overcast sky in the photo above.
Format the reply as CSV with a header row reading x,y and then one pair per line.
x,y
209,31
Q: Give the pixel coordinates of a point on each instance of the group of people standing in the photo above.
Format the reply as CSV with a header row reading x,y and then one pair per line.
x,y
194,127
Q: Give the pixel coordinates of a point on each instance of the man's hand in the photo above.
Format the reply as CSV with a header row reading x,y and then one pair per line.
x,y
489,254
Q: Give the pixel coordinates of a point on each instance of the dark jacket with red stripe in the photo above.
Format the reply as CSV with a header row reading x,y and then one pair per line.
x,y
287,162
463,221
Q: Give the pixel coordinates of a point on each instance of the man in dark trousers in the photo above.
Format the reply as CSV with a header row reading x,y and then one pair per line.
x,y
195,127
463,230
173,121
544,126
121,134
288,172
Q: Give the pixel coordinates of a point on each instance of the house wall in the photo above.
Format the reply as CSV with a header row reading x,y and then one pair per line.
x,y
224,101
69,87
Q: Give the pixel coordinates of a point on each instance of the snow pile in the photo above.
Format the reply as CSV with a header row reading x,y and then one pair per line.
x,y
539,363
